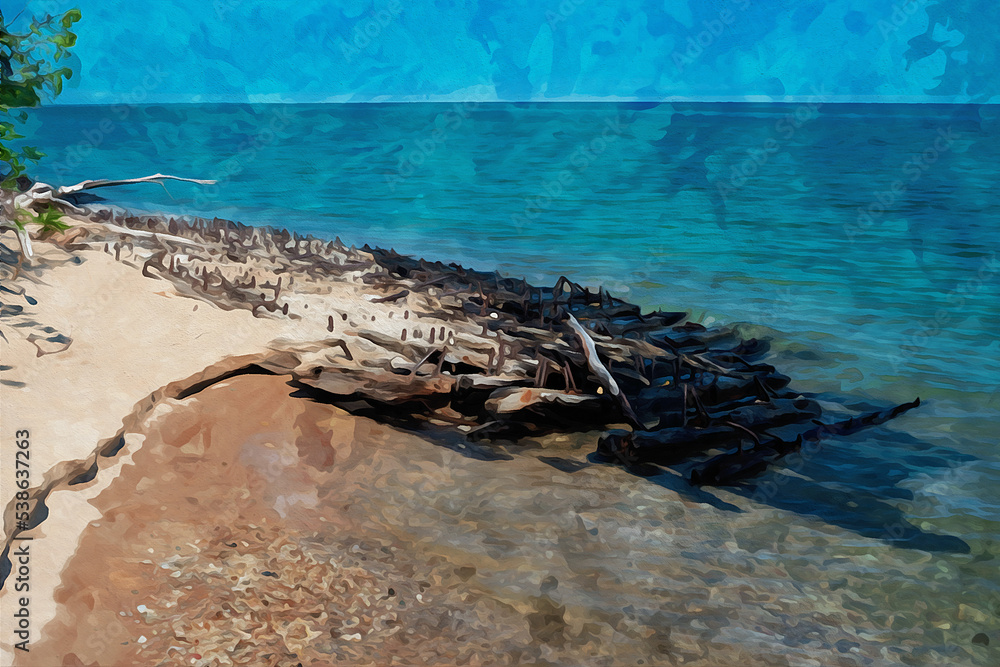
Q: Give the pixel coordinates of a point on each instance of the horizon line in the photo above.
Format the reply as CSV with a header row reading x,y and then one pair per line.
x,y
759,100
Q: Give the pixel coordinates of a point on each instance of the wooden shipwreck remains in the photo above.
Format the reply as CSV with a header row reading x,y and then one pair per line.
x,y
496,358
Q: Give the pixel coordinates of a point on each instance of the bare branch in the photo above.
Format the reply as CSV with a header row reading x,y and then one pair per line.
x,y
33,196
603,374
104,183
23,239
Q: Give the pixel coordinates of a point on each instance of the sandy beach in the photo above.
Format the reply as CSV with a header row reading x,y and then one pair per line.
x,y
118,365
223,482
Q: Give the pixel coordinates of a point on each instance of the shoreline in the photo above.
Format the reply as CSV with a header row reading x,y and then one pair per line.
x,y
435,349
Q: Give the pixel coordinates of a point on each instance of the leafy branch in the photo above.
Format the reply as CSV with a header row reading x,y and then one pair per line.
x,y
33,67
49,219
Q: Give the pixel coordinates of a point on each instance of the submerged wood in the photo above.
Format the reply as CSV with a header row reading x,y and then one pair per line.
x,y
732,467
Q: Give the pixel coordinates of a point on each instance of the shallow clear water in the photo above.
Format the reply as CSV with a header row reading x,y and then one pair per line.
x,y
738,213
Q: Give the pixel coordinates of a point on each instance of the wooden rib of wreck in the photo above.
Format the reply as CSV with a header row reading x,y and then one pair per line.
x,y
503,359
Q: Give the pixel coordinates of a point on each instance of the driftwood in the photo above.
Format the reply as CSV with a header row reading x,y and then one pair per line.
x,y
159,236
500,359
104,183
512,400
392,297
597,368
42,195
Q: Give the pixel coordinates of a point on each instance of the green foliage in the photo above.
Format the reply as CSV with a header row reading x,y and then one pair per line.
x,y
50,220
33,67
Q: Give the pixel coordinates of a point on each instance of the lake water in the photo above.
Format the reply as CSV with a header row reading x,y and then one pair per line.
x,y
862,239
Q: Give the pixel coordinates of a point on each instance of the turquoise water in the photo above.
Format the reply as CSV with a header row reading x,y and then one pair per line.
x,y
745,212
863,239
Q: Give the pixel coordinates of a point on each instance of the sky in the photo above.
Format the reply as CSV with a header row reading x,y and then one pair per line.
x,y
519,50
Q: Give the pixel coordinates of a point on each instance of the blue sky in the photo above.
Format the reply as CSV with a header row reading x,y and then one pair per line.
x,y
306,51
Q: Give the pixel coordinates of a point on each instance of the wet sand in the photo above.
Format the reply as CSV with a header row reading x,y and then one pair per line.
x,y
235,538
255,527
